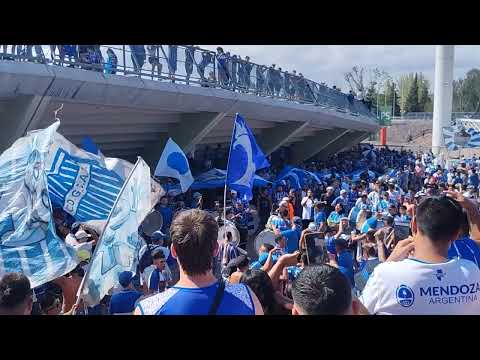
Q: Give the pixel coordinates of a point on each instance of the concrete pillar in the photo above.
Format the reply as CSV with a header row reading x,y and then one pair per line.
x,y
312,145
279,135
342,143
442,101
22,114
187,133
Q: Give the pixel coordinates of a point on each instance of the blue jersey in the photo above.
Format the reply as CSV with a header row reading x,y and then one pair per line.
x,y
197,301
465,248
123,302
345,265
280,224
320,217
167,214
292,238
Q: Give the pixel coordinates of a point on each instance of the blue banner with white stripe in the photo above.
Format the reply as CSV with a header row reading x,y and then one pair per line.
x,y
28,242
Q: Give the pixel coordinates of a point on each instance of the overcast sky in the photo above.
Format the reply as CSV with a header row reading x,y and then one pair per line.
x,y
328,63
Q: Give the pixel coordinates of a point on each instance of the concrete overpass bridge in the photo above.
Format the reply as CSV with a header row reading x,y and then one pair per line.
x,y
129,115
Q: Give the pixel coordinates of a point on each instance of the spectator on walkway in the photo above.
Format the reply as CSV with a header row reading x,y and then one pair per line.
x,y
248,66
222,67
112,61
278,81
70,53
189,60
271,77
260,77
138,56
172,61
194,243
154,60
207,58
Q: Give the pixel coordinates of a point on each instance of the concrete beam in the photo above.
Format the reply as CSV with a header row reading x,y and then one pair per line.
x,y
312,145
193,127
190,131
280,135
343,143
23,113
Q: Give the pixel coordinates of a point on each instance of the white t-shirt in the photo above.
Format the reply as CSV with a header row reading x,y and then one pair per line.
x,y
413,287
307,208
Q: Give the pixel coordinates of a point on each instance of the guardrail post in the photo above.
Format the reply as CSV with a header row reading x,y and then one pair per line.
x,y
124,61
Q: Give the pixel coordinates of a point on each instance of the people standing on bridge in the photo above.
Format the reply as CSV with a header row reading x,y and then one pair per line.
x,y
138,56
229,69
222,67
301,87
286,85
154,60
70,52
294,83
112,61
172,61
233,72
278,82
247,68
241,73
207,58
189,60
271,73
260,77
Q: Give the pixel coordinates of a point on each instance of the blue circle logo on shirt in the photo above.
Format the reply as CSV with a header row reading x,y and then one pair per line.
x,y
405,296
178,162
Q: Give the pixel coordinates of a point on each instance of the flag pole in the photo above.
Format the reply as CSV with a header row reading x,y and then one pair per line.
x,y
226,175
97,246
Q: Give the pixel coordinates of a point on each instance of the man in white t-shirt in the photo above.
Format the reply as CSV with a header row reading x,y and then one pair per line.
x,y
307,205
427,282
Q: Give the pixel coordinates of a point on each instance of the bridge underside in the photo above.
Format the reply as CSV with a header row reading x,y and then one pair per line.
x,y
129,117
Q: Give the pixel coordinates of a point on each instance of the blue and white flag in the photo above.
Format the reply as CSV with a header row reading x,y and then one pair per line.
x,y
173,163
119,244
245,159
455,138
86,185
28,241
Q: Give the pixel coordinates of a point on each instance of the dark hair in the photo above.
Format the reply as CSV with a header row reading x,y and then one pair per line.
x,y
262,286
439,218
243,261
372,251
14,289
158,254
53,294
194,237
389,220
268,247
322,290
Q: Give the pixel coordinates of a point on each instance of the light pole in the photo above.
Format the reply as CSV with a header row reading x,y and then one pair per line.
x,y
442,105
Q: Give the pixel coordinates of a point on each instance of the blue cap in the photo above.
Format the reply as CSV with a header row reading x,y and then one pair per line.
x,y
125,278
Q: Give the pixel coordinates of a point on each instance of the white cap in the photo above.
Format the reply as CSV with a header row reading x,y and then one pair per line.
x,y
343,191
82,234
312,226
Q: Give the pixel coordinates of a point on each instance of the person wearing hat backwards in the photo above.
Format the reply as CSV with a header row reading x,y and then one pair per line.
x,y
123,302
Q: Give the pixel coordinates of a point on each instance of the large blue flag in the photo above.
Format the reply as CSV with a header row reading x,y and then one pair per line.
x,y
28,241
119,244
245,159
173,163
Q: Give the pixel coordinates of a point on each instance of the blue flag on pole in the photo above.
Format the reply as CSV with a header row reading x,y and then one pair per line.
x,y
173,163
245,159
28,241
119,244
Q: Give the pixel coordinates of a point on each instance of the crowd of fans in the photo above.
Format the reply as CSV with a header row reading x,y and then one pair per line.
x,y
224,70
382,232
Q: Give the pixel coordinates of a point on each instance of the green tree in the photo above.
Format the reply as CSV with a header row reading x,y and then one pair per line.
x,y
411,102
423,93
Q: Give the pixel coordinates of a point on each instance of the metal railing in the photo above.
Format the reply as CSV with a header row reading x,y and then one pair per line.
x,y
174,63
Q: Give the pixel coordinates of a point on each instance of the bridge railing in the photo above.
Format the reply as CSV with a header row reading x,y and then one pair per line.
x,y
173,63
